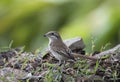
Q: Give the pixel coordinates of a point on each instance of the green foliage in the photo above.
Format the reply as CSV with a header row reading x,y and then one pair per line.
x,y
25,22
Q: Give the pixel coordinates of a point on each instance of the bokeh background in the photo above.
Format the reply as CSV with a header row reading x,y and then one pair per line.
x,y
25,21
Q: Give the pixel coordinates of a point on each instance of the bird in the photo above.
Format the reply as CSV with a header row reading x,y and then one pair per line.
x,y
58,48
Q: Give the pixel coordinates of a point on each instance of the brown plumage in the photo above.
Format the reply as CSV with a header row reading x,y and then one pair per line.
x,y
57,47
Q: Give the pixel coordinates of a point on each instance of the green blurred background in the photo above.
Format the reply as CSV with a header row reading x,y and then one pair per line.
x,y
25,22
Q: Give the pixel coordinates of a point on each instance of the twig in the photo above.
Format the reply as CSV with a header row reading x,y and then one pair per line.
x,y
108,52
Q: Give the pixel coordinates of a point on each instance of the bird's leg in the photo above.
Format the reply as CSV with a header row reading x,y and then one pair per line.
x,y
60,63
64,62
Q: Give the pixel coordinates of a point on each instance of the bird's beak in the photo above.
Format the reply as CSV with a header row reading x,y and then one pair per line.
x,y
44,35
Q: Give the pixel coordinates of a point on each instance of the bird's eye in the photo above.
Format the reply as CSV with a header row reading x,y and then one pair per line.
x,y
52,33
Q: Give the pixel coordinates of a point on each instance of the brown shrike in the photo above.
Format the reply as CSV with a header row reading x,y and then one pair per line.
x,y
57,47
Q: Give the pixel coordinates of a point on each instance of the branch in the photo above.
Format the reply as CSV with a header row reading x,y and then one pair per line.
x,y
108,52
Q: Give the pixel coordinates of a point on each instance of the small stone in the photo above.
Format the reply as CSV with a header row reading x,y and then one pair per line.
x,y
75,43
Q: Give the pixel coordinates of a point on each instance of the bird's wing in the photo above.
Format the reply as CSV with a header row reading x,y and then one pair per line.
x,y
65,52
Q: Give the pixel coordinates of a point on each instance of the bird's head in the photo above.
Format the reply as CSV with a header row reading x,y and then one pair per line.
x,y
53,35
